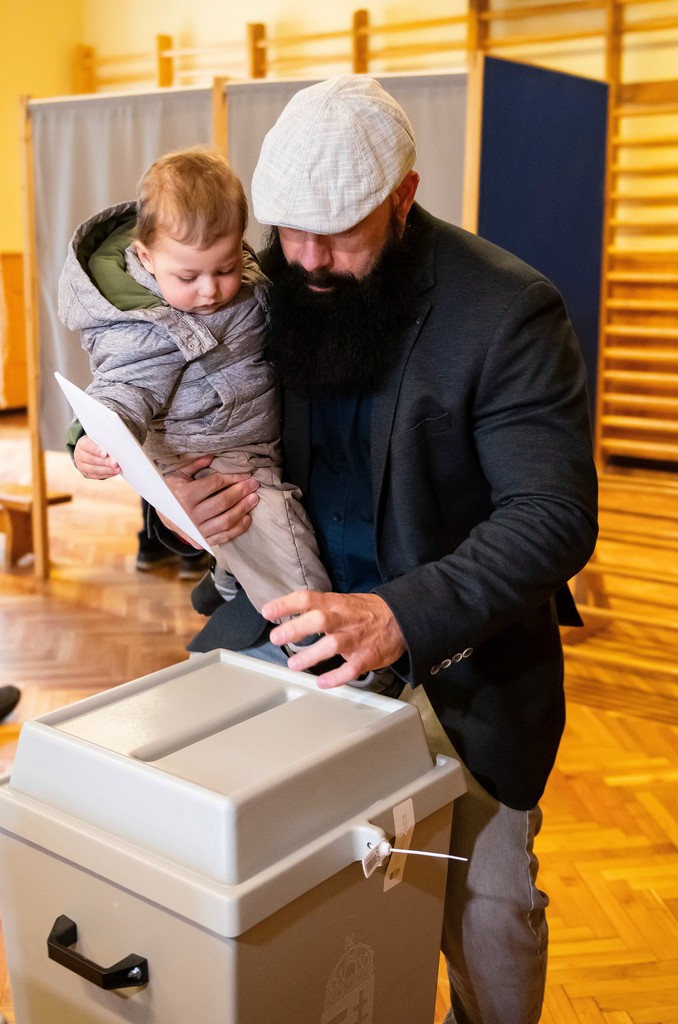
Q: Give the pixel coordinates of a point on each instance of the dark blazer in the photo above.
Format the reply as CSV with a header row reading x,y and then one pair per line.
x,y
485,499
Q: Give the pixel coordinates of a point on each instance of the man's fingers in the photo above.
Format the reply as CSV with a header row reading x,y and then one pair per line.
x,y
294,604
321,650
337,677
220,535
237,495
359,627
205,497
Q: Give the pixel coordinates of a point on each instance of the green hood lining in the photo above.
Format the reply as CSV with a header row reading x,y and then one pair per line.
x,y
102,255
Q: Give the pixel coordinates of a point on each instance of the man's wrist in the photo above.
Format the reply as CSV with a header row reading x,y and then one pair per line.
x,y
170,539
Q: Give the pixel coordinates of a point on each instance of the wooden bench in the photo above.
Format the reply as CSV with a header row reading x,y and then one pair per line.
x,y
16,508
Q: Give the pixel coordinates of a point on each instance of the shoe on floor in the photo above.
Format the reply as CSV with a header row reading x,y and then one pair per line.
x,y
153,558
9,698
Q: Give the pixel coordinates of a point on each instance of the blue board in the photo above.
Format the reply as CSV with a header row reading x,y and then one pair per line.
x,y
542,178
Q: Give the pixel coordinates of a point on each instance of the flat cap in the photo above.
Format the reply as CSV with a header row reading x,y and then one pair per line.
x,y
338,149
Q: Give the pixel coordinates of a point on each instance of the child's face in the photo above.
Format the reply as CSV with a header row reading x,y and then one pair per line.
x,y
195,280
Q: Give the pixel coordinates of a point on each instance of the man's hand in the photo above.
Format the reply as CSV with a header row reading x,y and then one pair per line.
x,y
92,461
219,504
359,627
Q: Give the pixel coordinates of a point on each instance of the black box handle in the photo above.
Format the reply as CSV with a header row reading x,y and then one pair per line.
x,y
127,973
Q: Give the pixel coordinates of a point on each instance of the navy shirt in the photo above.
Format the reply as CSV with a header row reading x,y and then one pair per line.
x,y
340,491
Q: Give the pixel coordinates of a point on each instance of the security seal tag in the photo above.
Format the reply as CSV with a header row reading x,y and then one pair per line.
x,y
403,820
372,860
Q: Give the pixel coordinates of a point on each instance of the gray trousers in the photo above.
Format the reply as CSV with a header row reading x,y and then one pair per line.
x,y
279,552
495,935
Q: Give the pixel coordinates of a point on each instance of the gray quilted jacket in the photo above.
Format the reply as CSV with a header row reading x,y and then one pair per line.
x,y
183,383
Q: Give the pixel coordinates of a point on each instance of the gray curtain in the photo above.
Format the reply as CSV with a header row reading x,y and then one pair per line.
x,y
89,153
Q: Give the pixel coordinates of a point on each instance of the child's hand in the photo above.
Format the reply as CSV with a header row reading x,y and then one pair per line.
x,y
92,461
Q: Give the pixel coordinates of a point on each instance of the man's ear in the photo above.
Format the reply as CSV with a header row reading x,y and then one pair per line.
x,y
403,196
145,257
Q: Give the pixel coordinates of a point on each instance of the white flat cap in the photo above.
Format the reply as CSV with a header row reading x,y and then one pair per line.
x,y
335,153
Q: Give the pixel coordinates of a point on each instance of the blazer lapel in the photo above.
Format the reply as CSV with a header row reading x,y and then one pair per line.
x,y
385,401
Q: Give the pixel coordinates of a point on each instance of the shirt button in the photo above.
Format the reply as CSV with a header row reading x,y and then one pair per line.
x,y
336,518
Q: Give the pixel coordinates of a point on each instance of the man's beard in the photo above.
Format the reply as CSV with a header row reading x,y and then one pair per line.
x,y
341,341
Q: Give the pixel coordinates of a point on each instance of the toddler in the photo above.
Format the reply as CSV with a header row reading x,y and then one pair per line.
x,y
171,304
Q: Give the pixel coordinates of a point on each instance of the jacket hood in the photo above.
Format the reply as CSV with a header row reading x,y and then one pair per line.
x,y
83,303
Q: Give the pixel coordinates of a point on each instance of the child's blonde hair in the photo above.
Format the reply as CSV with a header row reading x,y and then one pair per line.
x,y
193,195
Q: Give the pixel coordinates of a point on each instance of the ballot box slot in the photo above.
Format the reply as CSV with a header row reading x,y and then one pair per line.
x,y
166,745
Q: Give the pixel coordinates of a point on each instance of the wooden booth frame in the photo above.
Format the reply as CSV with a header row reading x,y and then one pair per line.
x,y
481,198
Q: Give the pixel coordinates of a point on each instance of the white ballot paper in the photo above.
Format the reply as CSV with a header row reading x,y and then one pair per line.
x,y
106,428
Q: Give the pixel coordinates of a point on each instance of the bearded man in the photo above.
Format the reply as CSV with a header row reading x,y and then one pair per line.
x,y
436,420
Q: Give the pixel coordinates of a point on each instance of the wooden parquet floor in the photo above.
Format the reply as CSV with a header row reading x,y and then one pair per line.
x,y
609,847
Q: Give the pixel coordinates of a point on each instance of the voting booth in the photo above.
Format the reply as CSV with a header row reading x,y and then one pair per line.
x,y
200,845
514,152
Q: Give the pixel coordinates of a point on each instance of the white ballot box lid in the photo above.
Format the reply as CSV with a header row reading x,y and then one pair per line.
x,y
222,788
222,764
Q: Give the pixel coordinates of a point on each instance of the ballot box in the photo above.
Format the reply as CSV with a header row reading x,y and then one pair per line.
x,y
199,846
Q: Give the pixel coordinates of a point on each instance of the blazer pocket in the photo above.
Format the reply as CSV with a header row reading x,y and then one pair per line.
x,y
403,440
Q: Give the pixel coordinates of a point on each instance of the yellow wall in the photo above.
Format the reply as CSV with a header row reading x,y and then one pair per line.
x,y
37,41
36,46
130,25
